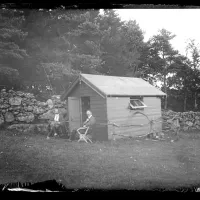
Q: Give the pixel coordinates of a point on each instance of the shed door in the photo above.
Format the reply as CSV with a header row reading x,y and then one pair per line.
x,y
85,105
74,113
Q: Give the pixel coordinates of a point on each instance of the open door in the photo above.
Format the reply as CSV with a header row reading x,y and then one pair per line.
x,y
74,113
85,105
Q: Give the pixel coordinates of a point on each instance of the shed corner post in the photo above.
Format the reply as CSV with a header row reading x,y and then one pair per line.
x,y
113,132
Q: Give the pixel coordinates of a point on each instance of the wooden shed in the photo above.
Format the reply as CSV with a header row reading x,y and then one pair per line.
x,y
113,99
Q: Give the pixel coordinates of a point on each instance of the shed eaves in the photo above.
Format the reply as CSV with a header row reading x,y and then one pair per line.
x,y
122,86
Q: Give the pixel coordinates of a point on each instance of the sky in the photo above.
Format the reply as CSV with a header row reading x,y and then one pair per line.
x,y
184,23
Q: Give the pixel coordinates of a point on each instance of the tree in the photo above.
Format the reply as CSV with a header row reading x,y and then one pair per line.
x,y
181,81
162,57
193,54
60,44
64,43
11,45
131,50
185,81
121,44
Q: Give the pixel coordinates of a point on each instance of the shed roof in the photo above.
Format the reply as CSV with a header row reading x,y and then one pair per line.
x,y
118,86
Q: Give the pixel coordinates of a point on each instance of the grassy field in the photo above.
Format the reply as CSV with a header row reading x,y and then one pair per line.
x,y
126,164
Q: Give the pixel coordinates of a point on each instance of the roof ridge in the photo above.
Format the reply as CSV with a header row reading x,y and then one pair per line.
x,y
113,76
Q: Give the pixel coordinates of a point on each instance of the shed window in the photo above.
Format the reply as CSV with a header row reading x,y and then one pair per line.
x,y
136,104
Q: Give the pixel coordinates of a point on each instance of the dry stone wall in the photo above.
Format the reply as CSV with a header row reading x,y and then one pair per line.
x,y
187,120
21,111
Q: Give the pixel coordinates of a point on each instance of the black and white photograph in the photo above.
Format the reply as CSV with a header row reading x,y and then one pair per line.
x,y
99,98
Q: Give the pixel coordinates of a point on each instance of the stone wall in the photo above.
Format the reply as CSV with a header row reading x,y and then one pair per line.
x,y
187,120
19,110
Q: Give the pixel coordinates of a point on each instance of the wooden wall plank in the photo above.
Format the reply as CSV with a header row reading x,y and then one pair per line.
x,y
98,108
119,113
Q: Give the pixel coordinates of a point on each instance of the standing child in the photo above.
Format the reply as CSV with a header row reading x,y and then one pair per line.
x,y
55,125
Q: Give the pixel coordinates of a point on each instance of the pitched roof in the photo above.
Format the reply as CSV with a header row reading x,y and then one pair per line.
x,y
118,86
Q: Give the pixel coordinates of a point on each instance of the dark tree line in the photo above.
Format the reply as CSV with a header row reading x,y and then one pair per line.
x,y
42,51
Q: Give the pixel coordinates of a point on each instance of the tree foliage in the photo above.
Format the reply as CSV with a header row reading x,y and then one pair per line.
x,y
47,49
63,43
11,46
162,57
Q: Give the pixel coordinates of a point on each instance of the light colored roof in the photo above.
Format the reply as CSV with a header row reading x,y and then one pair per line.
x,y
122,86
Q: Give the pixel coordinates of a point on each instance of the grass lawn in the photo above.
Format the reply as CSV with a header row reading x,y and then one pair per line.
x,y
125,164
